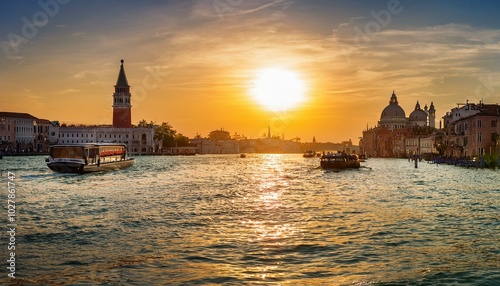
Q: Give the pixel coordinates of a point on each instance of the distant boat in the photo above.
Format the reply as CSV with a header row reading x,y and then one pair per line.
x,y
243,156
339,161
309,154
87,158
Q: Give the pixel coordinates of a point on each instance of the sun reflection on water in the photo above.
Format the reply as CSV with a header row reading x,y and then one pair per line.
x,y
217,220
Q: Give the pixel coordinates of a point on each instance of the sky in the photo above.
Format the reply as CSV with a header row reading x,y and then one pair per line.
x,y
193,63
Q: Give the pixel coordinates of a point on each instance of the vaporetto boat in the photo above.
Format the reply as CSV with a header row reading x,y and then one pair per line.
x,y
89,157
339,161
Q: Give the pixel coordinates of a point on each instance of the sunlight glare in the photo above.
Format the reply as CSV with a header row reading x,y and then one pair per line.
x,y
278,89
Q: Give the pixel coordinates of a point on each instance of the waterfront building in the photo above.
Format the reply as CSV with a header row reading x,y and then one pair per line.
x,y
41,135
270,145
472,130
23,133
399,136
139,140
215,146
394,117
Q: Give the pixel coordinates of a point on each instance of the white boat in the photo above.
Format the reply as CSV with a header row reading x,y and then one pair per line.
x,y
86,158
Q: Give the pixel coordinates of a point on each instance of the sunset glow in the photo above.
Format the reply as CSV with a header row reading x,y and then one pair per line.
x,y
205,65
278,89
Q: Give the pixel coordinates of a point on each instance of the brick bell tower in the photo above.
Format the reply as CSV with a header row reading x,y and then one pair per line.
x,y
122,115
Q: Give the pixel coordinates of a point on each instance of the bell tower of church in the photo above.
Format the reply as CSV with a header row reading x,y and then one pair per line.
x,y
122,115
432,116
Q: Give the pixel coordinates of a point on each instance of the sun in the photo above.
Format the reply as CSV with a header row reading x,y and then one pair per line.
x,y
278,89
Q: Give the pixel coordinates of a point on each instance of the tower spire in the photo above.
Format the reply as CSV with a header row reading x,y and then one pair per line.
x,y
122,78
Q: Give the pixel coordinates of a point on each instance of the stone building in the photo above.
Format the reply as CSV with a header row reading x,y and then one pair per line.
x,y
139,140
472,130
23,133
399,136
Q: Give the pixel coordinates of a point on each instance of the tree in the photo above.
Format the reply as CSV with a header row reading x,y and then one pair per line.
x,y
181,140
166,134
144,123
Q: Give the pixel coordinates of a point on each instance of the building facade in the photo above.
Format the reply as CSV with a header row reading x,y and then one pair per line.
x,y
399,136
394,117
23,133
139,140
472,130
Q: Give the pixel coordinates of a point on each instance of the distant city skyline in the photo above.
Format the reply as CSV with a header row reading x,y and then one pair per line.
x,y
196,64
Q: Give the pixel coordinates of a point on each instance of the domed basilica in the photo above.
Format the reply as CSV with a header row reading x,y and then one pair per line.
x,y
393,116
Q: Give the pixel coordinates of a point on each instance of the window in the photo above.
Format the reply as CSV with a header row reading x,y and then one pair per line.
x,y
479,123
493,123
479,137
493,137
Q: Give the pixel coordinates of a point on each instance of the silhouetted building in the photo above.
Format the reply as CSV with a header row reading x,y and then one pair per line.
x,y
399,136
393,116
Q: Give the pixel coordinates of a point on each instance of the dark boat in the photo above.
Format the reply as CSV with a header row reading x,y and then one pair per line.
x,y
87,158
339,161
309,154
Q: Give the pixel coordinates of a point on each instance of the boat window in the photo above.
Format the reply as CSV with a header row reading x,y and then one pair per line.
x,y
67,152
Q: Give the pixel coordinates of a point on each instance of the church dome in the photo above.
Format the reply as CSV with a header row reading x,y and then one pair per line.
x,y
393,110
418,114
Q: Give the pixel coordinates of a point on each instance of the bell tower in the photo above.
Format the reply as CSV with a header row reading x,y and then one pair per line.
x,y
432,115
122,115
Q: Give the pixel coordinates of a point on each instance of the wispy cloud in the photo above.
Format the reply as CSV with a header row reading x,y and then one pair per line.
x,y
69,91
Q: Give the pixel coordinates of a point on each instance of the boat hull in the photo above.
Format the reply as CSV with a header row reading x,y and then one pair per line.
x,y
340,161
79,168
340,165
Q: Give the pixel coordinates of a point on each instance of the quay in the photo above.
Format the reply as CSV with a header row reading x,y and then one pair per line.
x,y
468,163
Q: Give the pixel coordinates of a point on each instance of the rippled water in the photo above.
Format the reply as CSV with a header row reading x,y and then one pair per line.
x,y
264,219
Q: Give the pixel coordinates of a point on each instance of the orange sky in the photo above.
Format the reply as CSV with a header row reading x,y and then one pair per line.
x,y
192,64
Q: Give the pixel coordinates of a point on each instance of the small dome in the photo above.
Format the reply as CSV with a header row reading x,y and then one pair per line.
x,y
418,115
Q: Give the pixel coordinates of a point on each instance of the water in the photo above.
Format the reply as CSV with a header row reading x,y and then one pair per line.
x,y
260,220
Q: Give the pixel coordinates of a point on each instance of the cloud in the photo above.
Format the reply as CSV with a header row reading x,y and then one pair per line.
x,y
69,91
80,75
222,9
